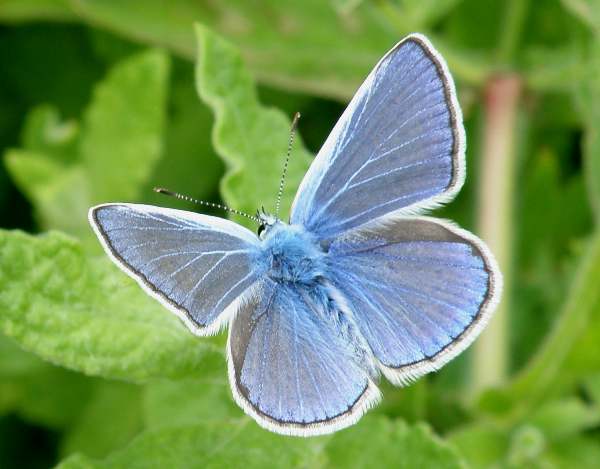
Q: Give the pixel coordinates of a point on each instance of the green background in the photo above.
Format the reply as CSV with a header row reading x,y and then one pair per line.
x,y
102,100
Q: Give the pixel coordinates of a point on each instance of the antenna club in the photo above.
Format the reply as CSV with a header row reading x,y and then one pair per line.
x,y
295,120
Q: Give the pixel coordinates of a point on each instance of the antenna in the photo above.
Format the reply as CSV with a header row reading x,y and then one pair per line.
x,y
287,159
161,190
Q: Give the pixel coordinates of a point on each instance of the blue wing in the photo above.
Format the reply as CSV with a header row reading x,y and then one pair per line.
x,y
420,290
290,369
196,265
399,145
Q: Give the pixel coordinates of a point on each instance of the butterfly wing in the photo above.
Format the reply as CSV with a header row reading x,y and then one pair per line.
x,y
399,145
196,265
420,290
290,369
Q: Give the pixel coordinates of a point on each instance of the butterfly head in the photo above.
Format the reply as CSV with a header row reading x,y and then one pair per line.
x,y
267,221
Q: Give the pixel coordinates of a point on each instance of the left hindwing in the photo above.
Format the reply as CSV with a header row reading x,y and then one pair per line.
x,y
399,145
420,290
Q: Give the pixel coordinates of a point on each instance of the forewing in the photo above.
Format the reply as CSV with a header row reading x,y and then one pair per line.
x,y
399,146
196,265
420,290
290,369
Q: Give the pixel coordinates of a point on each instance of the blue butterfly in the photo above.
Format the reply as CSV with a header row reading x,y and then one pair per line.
x,y
357,284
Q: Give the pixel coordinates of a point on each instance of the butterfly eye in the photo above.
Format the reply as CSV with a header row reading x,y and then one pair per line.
x,y
261,229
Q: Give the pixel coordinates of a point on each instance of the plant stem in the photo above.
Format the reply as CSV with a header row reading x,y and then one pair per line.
x,y
512,26
495,215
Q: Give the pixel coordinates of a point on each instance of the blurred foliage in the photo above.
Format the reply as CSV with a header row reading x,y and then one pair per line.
x,y
100,101
248,136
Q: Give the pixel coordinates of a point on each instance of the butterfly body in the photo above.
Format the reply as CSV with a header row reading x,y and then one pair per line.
x,y
358,285
294,258
291,254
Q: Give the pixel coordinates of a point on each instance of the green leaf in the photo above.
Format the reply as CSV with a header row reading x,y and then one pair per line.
x,y
83,314
536,441
63,171
482,444
122,128
211,444
111,418
45,132
565,418
57,189
53,172
187,401
190,164
242,443
486,446
59,194
527,444
24,384
386,443
251,139
78,461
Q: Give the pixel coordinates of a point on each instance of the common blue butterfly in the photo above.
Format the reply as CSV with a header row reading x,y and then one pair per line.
x,y
357,284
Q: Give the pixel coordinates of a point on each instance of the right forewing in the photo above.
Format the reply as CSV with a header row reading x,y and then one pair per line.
x,y
196,265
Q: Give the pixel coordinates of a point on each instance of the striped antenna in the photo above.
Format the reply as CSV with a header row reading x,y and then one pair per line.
x,y
161,190
287,159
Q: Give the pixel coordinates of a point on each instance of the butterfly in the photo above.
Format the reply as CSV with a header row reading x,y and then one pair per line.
x,y
357,284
